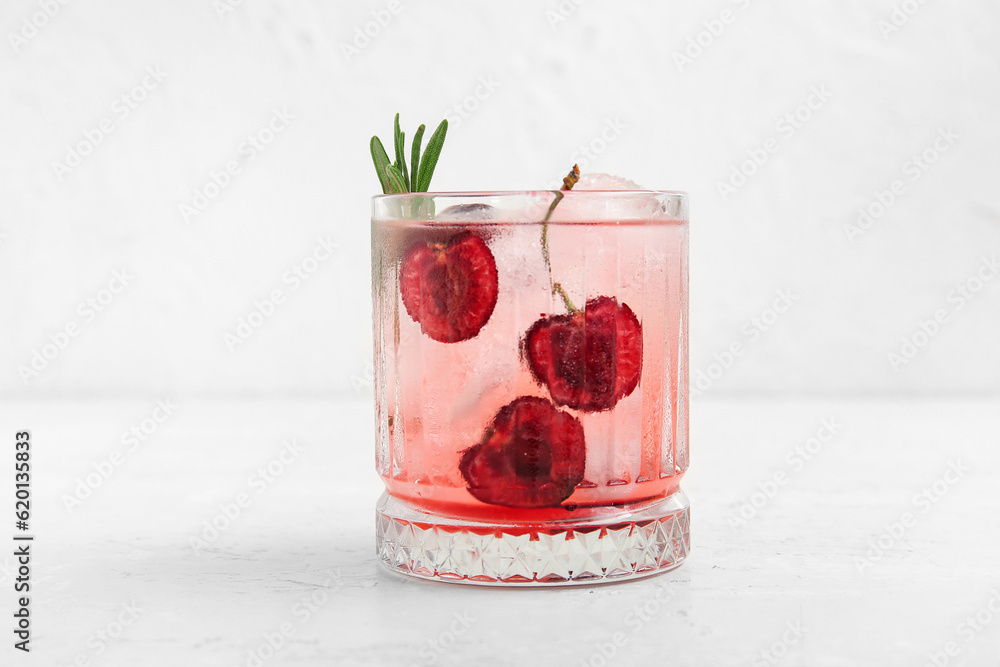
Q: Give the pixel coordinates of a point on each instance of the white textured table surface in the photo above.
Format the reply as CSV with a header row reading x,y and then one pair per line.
x,y
790,586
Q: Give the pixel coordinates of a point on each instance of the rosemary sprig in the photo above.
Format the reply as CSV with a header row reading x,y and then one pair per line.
x,y
394,177
568,182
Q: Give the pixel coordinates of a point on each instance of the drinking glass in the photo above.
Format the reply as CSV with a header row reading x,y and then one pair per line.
x,y
531,384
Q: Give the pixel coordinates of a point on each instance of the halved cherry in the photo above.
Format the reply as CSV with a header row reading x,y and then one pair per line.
x,y
450,289
532,455
589,359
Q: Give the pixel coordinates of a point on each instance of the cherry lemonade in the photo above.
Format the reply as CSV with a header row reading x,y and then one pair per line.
x,y
531,384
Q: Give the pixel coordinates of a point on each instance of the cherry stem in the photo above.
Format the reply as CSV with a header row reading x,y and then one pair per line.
x,y
545,235
556,288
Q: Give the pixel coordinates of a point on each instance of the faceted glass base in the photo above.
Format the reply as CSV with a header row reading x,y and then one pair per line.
x,y
624,542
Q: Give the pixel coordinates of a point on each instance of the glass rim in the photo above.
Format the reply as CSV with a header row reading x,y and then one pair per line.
x,y
471,194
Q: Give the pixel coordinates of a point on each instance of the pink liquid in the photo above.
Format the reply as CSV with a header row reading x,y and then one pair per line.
x,y
434,400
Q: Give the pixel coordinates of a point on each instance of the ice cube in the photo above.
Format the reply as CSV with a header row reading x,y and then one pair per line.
x,y
590,181
578,205
467,212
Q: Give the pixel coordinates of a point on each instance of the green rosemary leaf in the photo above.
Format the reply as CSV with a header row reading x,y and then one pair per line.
x,y
402,160
381,160
395,137
398,185
415,157
430,158
399,144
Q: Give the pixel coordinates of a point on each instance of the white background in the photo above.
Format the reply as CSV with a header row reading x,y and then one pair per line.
x,y
554,85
